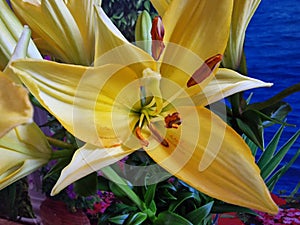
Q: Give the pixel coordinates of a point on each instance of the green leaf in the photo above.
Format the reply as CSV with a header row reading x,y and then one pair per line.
x,y
87,185
166,195
268,168
278,111
168,186
225,208
136,218
198,215
181,198
251,125
265,117
117,190
103,184
276,176
57,168
119,219
253,147
267,155
150,193
152,207
295,191
123,186
277,98
170,218
147,5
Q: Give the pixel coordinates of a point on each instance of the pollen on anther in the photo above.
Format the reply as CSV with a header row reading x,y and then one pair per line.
x,y
173,120
139,135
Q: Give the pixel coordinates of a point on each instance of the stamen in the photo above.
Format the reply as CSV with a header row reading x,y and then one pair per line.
x,y
157,135
205,70
138,133
143,96
173,121
141,120
157,33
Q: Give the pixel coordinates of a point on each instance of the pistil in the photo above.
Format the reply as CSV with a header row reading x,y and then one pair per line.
x,y
157,135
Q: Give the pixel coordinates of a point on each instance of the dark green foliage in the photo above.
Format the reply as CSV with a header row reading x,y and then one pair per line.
x,y
124,13
15,202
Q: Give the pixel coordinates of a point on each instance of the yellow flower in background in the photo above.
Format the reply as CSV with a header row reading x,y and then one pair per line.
x,y
23,146
23,150
129,101
10,32
241,16
61,28
15,106
161,6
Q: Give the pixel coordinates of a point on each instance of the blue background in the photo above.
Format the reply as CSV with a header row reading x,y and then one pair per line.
x,y
273,55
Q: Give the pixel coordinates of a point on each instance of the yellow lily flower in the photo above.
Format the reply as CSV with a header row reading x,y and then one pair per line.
x,y
15,106
10,31
241,16
130,101
23,150
23,146
63,28
161,6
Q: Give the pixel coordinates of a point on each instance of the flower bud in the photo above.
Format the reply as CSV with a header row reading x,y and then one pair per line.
x,y
157,33
23,150
142,31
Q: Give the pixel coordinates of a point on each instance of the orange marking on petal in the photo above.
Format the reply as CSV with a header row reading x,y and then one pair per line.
x,y
205,70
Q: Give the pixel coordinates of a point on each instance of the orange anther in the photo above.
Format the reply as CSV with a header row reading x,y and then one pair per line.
x,y
205,70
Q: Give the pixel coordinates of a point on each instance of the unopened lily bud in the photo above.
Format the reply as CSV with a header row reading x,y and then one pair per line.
x,y
23,150
10,31
157,33
142,31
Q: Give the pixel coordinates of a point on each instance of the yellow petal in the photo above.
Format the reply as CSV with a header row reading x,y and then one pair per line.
x,y
54,23
23,150
86,160
226,82
161,6
241,16
200,26
15,107
83,99
208,155
112,47
194,32
83,13
11,29
180,64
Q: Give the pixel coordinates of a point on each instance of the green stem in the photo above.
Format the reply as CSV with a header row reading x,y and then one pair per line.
x,y
59,143
113,176
235,104
236,98
65,153
271,101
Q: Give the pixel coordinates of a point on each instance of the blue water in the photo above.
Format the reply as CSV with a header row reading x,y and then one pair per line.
x,y
273,55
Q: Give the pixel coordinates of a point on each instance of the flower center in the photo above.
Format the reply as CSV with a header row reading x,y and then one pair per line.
x,y
152,107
